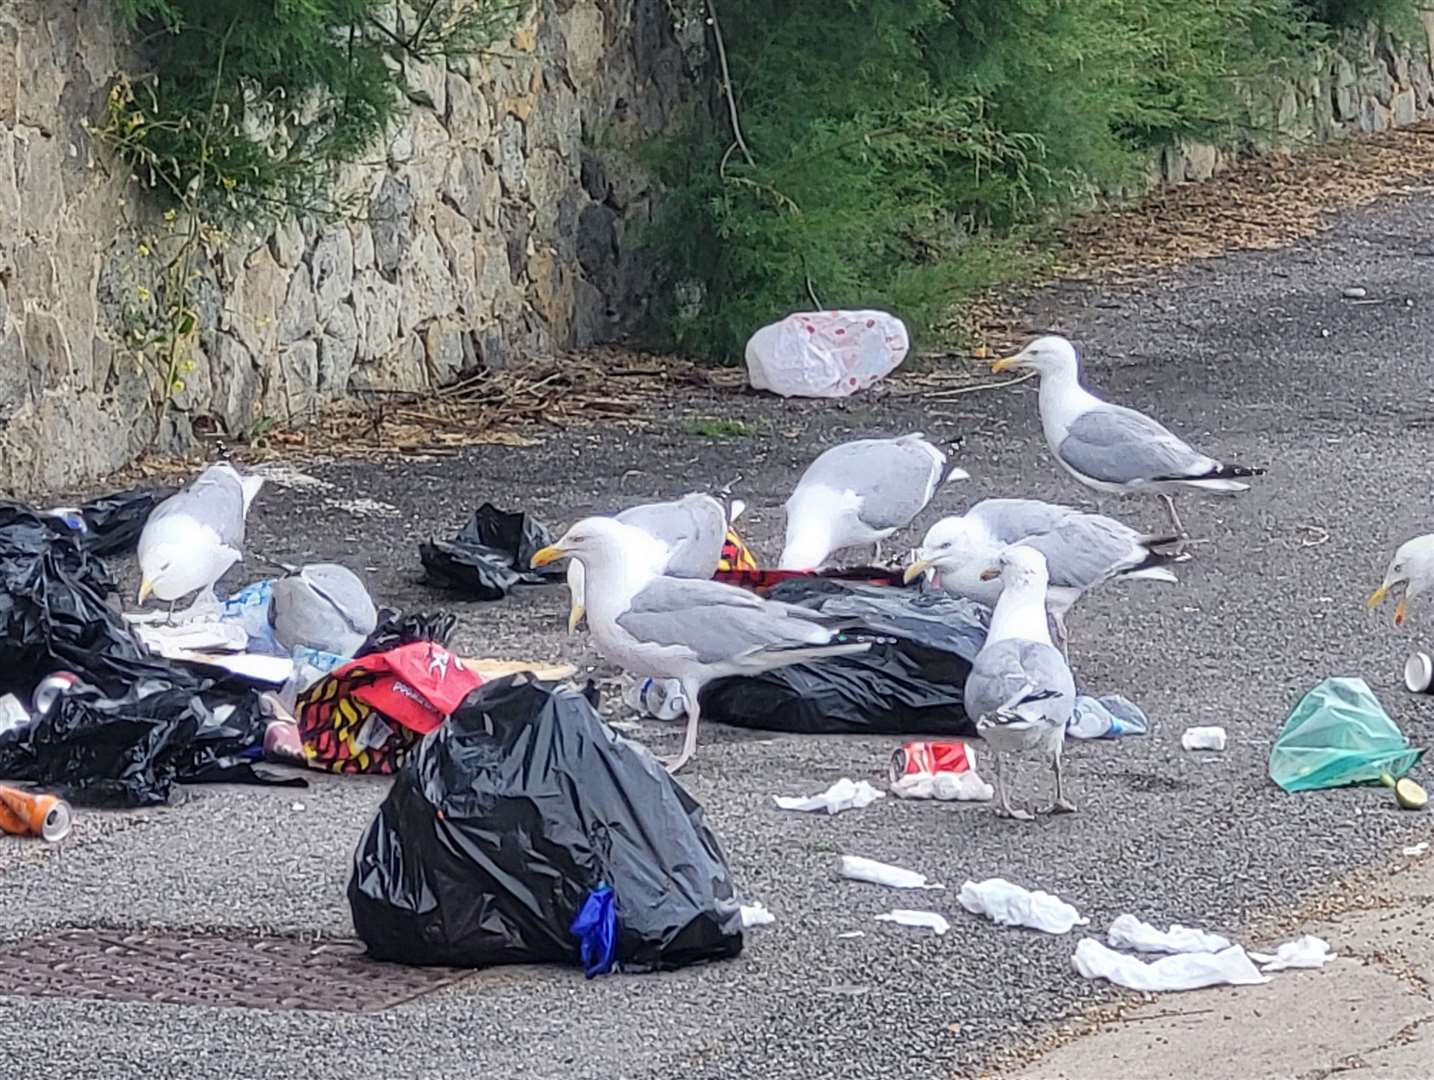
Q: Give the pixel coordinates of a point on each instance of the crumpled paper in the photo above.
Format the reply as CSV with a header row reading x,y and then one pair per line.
x,y
845,794
1011,905
1183,971
1128,932
907,917
856,868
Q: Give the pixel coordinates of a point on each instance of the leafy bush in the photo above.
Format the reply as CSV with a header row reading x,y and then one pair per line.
x,y
889,139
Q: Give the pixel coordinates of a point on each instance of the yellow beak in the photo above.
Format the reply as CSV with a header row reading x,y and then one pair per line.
x,y
575,616
543,556
145,588
992,574
915,570
1006,363
1378,597
1399,610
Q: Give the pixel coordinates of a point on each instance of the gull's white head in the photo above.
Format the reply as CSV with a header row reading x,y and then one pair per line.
x,y
1019,567
170,571
1049,355
1412,567
948,544
609,551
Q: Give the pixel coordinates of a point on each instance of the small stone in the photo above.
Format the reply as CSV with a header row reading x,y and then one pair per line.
x,y
1324,332
1355,292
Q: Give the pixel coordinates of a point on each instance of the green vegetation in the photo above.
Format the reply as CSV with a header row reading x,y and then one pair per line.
x,y
709,427
874,152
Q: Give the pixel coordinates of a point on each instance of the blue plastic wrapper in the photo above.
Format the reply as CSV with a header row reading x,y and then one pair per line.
x,y
596,930
1108,717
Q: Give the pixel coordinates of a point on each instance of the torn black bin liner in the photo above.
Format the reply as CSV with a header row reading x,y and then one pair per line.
x,y
490,556
109,524
505,819
395,630
912,686
137,723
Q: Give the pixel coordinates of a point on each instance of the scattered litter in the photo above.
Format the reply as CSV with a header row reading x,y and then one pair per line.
x,y
108,525
23,813
364,508
1186,971
659,698
1203,738
1355,292
944,787
1339,734
13,714
1107,717
296,807
843,795
478,857
1128,932
856,868
848,935
826,354
756,914
489,556
1419,673
1304,952
1416,850
1408,794
286,476
929,920
1011,905
394,630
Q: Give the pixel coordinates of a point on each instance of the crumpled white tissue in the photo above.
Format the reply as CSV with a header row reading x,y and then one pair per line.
x,y
1184,971
1128,932
1305,952
856,868
1011,905
843,795
1204,738
1416,849
906,917
944,787
756,914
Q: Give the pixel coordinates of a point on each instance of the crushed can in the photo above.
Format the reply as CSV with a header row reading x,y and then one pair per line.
x,y
24,814
926,758
50,688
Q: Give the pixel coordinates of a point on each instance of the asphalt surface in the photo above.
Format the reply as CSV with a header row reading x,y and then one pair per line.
x,y
1254,357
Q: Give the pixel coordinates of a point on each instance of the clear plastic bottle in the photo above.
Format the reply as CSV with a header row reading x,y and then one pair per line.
x,y
662,698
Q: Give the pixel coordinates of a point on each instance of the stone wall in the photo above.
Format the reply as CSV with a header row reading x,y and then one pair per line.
x,y
1368,82
499,225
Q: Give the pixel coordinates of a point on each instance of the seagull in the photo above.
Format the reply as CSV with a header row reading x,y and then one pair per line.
x,y
691,529
677,628
324,607
1412,567
859,493
1112,449
1082,551
1020,692
192,538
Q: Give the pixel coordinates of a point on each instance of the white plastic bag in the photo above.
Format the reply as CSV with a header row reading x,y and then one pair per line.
x,y
829,354
856,868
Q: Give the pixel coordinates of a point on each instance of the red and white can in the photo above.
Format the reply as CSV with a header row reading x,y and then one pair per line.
x,y
49,689
925,758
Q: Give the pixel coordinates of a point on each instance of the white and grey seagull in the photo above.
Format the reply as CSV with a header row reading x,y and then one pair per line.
x,y
858,493
1020,692
192,538
676,628
1082,550
691,530
1112,449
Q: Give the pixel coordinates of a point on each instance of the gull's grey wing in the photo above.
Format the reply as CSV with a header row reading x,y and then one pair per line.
x,y
693,528
216,498
1003,668
1087,549
1121,446
716,622
894,478
1012,520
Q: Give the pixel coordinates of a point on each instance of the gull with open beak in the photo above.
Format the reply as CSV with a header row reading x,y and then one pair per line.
x,y
677,628
1020,692
1412,567
691,531
1112,449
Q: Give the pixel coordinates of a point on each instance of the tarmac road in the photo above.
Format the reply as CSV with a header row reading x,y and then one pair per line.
x,y
1255,357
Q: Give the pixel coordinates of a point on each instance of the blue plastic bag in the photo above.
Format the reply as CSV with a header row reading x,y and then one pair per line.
x,y
595,927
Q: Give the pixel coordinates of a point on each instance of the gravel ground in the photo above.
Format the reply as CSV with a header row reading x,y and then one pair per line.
x,y
1255,357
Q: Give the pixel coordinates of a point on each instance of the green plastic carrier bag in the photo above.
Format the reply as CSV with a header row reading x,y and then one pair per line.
x,y
1339,734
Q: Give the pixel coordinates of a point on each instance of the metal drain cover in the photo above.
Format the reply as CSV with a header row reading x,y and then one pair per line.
x,y
199,969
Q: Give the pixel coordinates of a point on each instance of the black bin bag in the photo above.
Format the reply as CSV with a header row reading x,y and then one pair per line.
x,y
509,816
910,683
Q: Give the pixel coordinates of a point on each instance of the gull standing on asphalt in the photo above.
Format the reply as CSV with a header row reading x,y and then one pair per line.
x,y
859,493
675,628
1112,449
1082,551
1020,692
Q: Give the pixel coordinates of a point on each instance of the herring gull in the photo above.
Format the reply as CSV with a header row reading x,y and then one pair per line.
x,y
1112,449
691,530
859,493
677,628
192,538
1020,692
1412,567
1082,551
